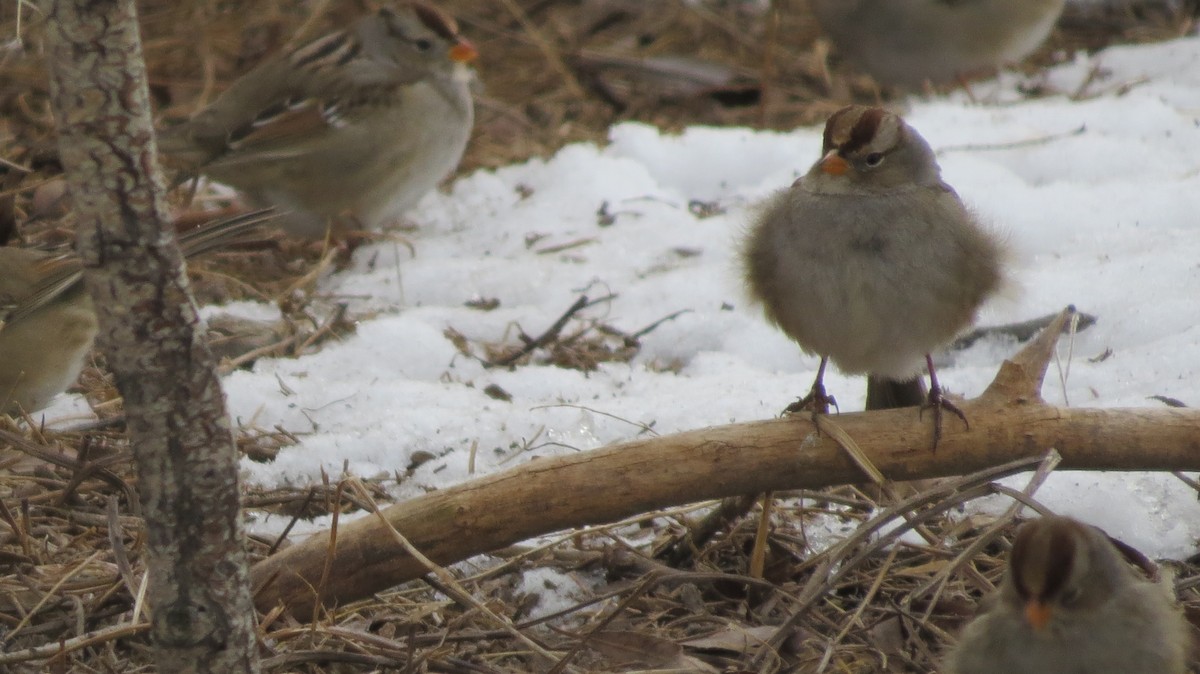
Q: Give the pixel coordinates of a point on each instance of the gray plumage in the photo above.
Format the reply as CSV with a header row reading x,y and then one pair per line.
x,y
907,42
879,265
358,124
1069,604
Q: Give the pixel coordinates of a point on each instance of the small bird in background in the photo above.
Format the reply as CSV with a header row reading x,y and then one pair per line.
x,y
47,322
348,130
871,260
910,42
1070,604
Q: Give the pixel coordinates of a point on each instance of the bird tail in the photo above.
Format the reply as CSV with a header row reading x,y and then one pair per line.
x,y
886,394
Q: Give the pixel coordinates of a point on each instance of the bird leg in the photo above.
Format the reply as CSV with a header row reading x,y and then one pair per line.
x,y
938,401
816,400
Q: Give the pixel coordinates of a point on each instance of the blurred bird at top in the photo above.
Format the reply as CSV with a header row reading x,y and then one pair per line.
x,y
909,42
353,127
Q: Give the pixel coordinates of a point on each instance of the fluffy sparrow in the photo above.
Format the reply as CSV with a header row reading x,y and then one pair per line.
x,y
358,124
869,259
1070,604
909,42
47,322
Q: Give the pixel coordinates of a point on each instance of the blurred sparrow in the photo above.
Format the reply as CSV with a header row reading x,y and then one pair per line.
x,y
1069,604
358,124
47,322
869,259
909,42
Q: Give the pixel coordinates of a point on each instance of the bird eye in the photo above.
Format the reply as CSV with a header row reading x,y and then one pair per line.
x,y
423,44
874,159
1070,596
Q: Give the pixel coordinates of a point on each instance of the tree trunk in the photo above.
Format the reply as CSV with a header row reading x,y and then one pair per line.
x,y
201,610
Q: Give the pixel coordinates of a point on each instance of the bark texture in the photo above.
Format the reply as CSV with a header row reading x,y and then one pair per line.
x,y
201,610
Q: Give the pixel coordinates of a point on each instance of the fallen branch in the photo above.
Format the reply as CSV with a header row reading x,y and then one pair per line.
x,y
1009,421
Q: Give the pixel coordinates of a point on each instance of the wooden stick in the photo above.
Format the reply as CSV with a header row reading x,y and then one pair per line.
x,y
1009,421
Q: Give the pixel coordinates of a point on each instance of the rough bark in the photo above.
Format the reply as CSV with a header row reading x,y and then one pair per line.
x,y
1009,421
202,616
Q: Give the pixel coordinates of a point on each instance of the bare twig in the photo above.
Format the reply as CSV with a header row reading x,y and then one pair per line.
x,y
550,334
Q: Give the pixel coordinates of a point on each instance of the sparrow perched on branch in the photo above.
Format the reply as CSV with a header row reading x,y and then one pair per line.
x,y
871,260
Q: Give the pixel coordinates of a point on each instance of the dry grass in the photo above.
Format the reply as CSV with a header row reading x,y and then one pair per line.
x,y
71,542
554,72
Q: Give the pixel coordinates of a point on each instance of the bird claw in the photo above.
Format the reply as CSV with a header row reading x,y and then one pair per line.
x,y
817,400
938,401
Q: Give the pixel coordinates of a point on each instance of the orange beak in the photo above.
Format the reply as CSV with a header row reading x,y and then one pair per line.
x,y
833,164
463,52
1037,614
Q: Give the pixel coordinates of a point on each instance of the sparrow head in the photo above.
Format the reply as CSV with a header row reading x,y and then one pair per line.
x,y
873,148
1059,566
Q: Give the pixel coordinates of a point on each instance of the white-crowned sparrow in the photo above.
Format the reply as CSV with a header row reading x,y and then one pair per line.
x,y
47,322
358,124
1070,604
907,42
869,259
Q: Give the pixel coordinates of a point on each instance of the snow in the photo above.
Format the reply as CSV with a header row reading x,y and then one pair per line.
x,y
554,590
1099,198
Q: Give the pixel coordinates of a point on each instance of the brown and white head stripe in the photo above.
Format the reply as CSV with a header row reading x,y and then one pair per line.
x,y
444,26
324,57
855,126
436,20
341,47
1059,564
859,131
874,147
1046,554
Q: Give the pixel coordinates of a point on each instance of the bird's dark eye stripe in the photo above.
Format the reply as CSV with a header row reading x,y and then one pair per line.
x,y
436,21
864,130
1020,543
1019,581
1060,558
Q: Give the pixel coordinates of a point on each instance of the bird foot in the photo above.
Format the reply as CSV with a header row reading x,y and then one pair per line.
x,y
938,402
817,400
